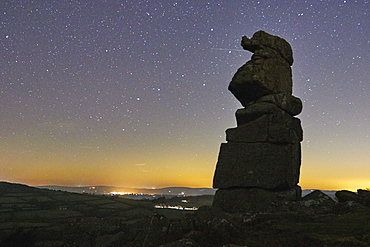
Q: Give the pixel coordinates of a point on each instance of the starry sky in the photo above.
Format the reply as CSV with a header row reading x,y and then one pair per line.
x,y
134,93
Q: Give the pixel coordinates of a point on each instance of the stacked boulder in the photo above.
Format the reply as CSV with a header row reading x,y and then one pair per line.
x,y
259,165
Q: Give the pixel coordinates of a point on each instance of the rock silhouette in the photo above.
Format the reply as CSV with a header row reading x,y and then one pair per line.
x,y
260,163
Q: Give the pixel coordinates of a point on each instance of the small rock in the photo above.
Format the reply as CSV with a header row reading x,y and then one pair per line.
x,y
345,196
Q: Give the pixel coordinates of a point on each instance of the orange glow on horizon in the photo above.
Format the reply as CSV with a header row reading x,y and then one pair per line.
x,y
181,169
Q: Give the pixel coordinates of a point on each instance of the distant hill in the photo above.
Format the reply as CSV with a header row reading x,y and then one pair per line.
x,y
44,217
169,191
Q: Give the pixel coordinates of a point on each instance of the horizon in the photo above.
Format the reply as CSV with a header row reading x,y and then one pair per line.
x,y
157,188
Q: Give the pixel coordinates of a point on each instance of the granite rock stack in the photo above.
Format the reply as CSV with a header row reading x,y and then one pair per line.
x,y
259,165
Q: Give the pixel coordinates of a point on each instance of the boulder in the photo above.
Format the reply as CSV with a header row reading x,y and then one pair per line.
x,y
276,127
365,196
254,111
318,198
345,196
364,193
263,165
314,203
261,77
253,199
292,105
361,197
262,40
268,71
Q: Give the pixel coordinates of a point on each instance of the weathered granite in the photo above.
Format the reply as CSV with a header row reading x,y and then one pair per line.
x,y
292,105
262,158
253,199
363,193
261,77
313,203
318,198
276,127
262,40
345,195
361,197
262,165
268,71
254,111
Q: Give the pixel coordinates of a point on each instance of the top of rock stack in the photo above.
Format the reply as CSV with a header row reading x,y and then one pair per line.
x,y
262,40
268,72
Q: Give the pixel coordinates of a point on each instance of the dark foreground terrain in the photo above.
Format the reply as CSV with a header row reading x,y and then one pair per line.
x,y
41,217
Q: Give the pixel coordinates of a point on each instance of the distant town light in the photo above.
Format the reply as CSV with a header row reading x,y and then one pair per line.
x,y
176,207
120,193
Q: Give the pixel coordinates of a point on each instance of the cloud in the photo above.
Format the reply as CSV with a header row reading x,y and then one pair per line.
x,y
140,164
142,167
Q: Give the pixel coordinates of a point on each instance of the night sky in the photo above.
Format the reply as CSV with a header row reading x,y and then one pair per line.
x,y
134,93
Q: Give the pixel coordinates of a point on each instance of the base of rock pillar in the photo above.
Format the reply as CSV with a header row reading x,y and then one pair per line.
x,y
253,199
270,166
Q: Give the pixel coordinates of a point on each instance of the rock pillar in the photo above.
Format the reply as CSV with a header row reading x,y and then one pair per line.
x,y
259,165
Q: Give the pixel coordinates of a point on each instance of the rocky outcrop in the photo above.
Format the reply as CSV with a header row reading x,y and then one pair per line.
x,y
361,197
314,203
260,163
345,195
365,194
